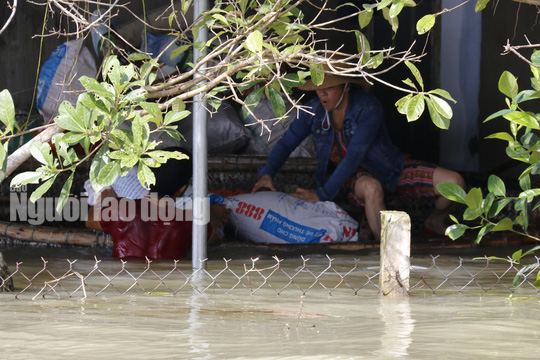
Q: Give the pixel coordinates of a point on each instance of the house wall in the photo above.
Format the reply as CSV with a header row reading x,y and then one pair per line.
x,y
461,35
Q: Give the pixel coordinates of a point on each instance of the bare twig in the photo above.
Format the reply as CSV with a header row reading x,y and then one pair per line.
x,y
13,11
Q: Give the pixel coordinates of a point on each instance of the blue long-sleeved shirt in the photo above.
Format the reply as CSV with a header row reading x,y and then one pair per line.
x,y
368,144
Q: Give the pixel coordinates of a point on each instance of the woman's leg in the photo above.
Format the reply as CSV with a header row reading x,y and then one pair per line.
x,y
370,191
436,220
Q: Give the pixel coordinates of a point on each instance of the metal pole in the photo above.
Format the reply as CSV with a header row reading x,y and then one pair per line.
x,y
200,155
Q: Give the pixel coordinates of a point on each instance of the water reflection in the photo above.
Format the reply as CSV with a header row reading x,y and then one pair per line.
x,y
199,346
398,326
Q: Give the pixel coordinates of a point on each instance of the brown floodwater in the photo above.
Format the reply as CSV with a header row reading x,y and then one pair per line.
x,y
324,310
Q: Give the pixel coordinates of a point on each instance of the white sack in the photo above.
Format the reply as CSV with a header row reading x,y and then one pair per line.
x,y
278,218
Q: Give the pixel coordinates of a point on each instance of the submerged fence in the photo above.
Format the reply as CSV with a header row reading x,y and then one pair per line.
x,y
85,278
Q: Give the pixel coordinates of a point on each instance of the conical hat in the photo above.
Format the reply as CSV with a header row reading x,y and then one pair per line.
x,y
334,80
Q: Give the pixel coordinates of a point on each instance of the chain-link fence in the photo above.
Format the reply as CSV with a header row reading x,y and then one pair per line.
x,y
84,278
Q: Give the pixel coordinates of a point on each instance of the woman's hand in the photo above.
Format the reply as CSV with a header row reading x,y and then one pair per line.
x,y
306,195
264,182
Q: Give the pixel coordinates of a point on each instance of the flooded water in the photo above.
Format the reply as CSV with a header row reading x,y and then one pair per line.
x,y
264,319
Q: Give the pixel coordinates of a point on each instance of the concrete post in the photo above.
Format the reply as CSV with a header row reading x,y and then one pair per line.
x,y
395,253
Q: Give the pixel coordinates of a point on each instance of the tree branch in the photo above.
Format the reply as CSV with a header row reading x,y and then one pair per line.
x,y
13,10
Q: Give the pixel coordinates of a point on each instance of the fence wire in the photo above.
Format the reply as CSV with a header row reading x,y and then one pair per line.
x,y
81,279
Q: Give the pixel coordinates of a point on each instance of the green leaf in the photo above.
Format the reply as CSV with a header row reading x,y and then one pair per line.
x,y
531,251
7,109
486,229
108,174
496,185
98,162
174,134
383,4
278,104
442,93
529,194
425,24
146,175
499,205
252,100
415,107
452,192
364,18
42,189
497,114
92,85
110,64
396,8
525,183
154,110
317,76
440,121
42,152
523,118
535,57
504,225
162,156
185,5
178,105
69,119
481,5
291,80
402,104
410,83
135,96
90,101
455,231
137,130
375,61
416,74
501,136
146,68
27,177
536,76
362,45
64,194
508,84
293,49
517,279
3,158
441,106
488,202
527,95
254,41
174,116
138,56
393,21
243,5
474,199
471,214
221,18
516,256
180,50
